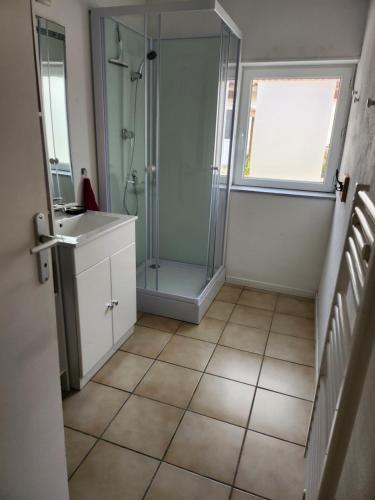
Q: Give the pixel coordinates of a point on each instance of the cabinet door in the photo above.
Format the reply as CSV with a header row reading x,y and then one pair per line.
x,y
93,288
123,277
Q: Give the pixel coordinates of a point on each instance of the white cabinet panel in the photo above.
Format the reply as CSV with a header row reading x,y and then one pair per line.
x,y
123,277
93,288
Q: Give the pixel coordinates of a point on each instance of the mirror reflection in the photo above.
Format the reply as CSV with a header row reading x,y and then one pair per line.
x,y
51,37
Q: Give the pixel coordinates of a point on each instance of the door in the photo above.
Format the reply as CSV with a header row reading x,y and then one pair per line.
x,y
93,295
123,277
32,451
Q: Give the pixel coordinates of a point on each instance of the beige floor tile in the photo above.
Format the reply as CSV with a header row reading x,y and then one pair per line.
x,y
206,446
91,409
293,325
77,446
290,348
112,473
223,399
172,483
237,365
244,337
261,300
123,370
146,342
209,329
229,294
296,306
169,384
280,416
250,316
144,425
187,352
288,378
159,323
220,310
242,495
272,468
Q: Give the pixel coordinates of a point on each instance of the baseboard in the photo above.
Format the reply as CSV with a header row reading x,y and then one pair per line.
x,y
271,287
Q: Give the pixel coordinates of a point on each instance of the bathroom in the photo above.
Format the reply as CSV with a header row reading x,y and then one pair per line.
x,y
187,274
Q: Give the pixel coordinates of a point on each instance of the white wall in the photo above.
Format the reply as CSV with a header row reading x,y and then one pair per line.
x,y
280,242
357,478
277,242
358,162
299,29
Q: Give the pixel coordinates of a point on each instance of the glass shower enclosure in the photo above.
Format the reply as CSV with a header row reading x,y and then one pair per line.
x,y
165,79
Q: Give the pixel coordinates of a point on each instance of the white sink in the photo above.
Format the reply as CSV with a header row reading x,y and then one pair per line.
x,y
79,229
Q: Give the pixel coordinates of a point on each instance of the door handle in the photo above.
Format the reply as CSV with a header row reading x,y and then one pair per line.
x,y
47,242
44,242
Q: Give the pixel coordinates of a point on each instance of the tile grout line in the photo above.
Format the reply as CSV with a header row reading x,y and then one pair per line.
x,y
266,334
185,410
161,460
213,375
115,415
251,407
178,426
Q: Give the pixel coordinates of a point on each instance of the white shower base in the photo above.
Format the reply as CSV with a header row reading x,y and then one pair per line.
x,y
176,278
182,292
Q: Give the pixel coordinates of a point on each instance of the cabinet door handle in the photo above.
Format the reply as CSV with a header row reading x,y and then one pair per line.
x,y
115,302
109,306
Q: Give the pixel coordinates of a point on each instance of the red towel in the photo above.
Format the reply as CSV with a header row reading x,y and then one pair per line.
x,y
89,201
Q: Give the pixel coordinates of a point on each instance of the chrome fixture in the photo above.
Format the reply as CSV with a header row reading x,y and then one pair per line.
x,y
119,61
137,75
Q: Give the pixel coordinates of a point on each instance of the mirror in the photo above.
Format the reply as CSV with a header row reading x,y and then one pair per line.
x,y
52,61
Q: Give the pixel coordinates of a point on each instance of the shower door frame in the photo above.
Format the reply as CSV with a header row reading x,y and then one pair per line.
x,y
156,301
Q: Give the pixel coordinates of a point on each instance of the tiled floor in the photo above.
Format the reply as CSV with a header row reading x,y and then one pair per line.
x,y
215,411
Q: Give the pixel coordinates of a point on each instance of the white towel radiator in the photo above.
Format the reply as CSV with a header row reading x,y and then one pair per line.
x,y
345,354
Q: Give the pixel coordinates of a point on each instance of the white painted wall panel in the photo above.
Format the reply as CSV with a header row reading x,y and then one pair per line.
x,y
277,242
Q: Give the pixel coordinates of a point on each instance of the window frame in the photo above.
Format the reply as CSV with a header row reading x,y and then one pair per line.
x,y
252,72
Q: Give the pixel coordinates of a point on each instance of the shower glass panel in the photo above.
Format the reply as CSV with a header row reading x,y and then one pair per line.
x,y
165,95
227,93
125,110
189,68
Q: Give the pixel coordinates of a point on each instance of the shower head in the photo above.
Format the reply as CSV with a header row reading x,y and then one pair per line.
x,y
137,75
119,60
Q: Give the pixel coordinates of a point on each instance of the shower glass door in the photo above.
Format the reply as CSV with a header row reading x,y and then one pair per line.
x,y
185,92
228,74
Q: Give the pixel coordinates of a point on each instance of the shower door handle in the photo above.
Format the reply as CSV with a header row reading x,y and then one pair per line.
x,y
213,168
151,169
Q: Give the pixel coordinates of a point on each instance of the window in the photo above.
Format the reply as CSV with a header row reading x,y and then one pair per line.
x,y
291,125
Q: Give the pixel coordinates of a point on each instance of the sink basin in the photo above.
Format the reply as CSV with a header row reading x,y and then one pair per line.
x,y
79,229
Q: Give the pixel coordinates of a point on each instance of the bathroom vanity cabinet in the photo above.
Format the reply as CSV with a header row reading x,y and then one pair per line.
x,y
99,294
